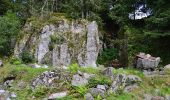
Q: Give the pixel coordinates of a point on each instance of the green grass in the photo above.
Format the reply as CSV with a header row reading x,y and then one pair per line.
x,y
22,72
128,71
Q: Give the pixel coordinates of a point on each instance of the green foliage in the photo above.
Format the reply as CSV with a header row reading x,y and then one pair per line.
x,y
73,68
40,92
81,90
128,71
123,96
15,61
99,79
107,56
9,30
90,70
27,57
22,72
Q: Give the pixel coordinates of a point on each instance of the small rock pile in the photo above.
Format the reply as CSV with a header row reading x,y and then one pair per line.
x,y
121,81
50,78
6,95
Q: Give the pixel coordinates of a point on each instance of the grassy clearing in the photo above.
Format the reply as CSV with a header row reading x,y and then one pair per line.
x,y
21,72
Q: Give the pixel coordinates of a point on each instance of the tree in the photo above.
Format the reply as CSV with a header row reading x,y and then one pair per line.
x,y
9,30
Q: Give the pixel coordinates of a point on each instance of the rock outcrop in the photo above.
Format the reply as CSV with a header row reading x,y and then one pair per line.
x,y
51,79
61,43
146,61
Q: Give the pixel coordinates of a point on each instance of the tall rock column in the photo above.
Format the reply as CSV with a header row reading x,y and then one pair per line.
x,y
92,44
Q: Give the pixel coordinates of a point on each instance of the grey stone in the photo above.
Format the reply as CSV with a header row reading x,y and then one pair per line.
x,y
150,97
88,96
146,61
102,87
167,66
92,46
167,97
1,63
13,95
130,88
57,95
21,84
119,80
162,72
79,80
131,79
4,95
75,42
127,82
108,72
95,92
48,78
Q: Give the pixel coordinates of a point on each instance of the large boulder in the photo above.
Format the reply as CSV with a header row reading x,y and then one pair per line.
x,y
126,82
167,66
81,79
95,92
61,43
146,61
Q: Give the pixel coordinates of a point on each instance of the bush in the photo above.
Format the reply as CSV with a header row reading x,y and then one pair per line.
x,y
107,56
73,68
15,61
81,90
40,91
102,80
27,57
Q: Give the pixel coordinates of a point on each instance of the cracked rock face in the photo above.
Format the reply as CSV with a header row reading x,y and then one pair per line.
x,y
62,44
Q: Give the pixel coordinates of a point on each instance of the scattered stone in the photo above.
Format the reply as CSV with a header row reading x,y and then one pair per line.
x,y
57,95
48,78
162,72
8,83
79,80
127,82
167,97
131,79
167,66
146,61
147,97
4,95
95,92
21,85
88,96
1,63
38,66
102,87
108,72
130,88
119,80
150,97
13,95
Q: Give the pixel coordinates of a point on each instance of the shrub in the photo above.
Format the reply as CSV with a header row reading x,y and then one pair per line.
x,y
27,57
102,80
40,91
107,56
15,61
73,68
